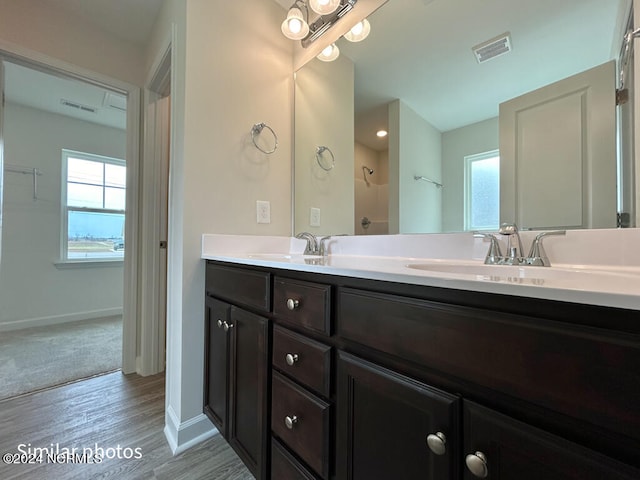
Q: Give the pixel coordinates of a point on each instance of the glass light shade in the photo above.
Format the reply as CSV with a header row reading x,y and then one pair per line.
x,y
329,54
324,7
359,31
381,133
294,26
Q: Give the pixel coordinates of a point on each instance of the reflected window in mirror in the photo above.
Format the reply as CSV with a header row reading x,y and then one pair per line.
x,y
482,191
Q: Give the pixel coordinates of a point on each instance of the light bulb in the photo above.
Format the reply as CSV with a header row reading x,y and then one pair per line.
x,y
324,7
381,133
329,53
294,26
359,31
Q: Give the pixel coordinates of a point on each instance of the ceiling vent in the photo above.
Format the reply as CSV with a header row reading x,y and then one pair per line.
x,y
116,101
78,106
493,48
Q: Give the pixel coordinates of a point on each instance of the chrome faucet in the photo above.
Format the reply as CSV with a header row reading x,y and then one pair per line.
x,y
515,253
312,243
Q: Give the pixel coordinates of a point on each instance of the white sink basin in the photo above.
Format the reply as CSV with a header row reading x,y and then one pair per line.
x,y
523,274
492,270
270,256
284,257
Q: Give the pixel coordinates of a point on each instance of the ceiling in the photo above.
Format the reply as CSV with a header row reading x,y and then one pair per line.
x,y
130,21
64,96
420,51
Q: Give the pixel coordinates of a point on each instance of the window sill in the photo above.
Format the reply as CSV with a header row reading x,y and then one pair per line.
x,y
66,264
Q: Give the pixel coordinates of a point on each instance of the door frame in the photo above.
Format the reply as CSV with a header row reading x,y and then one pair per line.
x,y
54,66
154,225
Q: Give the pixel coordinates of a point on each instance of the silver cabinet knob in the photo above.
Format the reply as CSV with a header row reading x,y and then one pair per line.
x,y
477,464
437,443
290,422
227,326
291,358
219,323
292,304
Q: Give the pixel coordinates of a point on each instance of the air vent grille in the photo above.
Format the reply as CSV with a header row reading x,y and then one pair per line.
x,y
78,106
493,48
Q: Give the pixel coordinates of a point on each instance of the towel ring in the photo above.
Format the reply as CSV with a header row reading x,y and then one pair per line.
x,y
319,153
256,130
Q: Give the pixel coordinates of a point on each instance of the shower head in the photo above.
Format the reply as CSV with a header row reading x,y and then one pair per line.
x,y
367,169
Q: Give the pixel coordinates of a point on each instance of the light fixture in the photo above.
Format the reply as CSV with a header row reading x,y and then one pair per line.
x,y
381,133
324,7
359,31
299,24
330,53
295,26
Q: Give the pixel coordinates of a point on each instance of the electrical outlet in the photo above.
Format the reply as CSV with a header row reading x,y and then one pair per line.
x,y
263,211
314,217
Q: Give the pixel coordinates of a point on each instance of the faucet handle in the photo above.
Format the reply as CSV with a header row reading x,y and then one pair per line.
x,y
494,255
537,255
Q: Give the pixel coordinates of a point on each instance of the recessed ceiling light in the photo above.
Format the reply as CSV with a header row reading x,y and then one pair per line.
x,y
381,133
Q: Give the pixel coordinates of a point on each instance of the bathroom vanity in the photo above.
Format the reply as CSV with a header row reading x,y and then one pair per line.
x,y
314,370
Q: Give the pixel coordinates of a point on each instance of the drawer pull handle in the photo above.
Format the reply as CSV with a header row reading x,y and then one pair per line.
x,y
291,358
292,304
477,464
290,422
227,326
219,323
437,443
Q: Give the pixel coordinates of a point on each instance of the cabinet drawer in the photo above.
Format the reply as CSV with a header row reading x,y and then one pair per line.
x,y
239,286
306,360
583,372
301,421
509,449
302,304
285,467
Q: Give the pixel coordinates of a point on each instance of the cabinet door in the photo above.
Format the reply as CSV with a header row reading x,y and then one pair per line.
x,y
384,423
216,369
248,394
498,447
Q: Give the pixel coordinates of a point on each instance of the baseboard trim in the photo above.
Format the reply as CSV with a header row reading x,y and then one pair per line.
x,y
59,319
182,436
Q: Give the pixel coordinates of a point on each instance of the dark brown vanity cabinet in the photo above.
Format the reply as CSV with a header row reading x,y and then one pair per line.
x,y
313,376
501,448
302,407
217,363
237,363
391,426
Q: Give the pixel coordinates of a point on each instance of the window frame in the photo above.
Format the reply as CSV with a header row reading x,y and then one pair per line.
x,y
468,161
65,208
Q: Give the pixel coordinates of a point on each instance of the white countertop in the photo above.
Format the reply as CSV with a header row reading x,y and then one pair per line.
x,y
596,284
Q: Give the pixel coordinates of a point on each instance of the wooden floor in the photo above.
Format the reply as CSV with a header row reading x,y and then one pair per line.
x,y
109,411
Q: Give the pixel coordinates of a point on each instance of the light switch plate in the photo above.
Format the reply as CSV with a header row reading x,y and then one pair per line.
x,y
314,217
263,211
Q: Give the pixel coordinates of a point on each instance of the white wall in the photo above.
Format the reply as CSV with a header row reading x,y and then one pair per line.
x,y
456,144
371,191
324,103
231,70
414,149
41,27
33,291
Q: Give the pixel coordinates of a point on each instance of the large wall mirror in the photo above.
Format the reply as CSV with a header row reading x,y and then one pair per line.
x,y
470,143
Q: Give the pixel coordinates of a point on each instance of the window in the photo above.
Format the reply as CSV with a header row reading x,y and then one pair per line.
x,y
482,191
93,206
